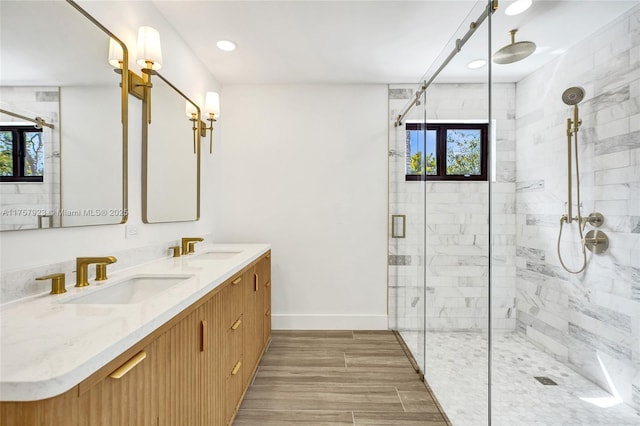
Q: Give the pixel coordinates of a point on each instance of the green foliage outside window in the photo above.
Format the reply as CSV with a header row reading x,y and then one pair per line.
x,y
420,166
463,152
21,154
33,154
6,153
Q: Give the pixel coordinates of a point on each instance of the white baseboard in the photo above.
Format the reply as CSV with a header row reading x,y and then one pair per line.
x,y
328,322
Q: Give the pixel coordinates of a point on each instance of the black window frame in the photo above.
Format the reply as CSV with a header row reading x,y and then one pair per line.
x,y
18,142
441,151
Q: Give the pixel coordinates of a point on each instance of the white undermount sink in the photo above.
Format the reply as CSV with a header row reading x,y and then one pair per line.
x,y
135,289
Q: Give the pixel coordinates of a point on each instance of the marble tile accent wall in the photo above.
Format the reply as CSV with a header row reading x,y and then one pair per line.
x,y
16,284
590,319
23,201
454,221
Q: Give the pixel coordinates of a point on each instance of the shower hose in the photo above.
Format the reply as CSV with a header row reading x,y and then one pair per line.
x,y
581,222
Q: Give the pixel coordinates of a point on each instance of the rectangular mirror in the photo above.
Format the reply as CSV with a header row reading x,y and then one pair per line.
x,y
171,156
63,121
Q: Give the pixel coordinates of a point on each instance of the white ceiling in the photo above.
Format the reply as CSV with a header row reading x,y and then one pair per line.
x,y
357,41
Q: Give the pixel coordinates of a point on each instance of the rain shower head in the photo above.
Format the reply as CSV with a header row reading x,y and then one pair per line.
x,y
514,52
573,95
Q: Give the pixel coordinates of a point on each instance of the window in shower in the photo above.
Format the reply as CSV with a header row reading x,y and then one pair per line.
x,y
451,151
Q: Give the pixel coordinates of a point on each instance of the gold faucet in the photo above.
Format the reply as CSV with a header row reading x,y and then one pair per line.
x,y
57,283
188,244
82,268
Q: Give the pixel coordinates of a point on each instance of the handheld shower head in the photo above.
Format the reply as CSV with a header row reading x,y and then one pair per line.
x,y
573,95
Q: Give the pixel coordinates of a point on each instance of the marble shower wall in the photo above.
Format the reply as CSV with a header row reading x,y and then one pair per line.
x,y
591,319
454,221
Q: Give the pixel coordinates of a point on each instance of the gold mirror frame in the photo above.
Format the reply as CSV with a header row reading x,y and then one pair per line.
x,y
145,151
124,84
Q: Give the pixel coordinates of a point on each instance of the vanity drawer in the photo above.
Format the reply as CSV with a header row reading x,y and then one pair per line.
x,y
232,299
233,367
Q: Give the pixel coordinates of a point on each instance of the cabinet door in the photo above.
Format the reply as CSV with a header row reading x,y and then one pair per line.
x,y
128,396
249,309
212,405
265,267
179,383
61,410
260,286
266,332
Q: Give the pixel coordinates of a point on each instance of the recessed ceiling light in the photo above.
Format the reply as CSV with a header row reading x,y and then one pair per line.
x,y
478,63
226,45
518,7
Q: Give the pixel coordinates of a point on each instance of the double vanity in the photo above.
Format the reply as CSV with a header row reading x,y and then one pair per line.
x,y
172,342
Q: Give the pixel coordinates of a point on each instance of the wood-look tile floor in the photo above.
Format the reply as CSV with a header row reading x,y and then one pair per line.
x,y
327,378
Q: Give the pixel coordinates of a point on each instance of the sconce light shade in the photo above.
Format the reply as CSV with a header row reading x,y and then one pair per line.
x,y
212,104
149,48
190,109
115,54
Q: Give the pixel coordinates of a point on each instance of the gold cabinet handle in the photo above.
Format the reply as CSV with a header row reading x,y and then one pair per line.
x,y
236,368
236,324
269,256
267,285
268,313
129,365
236,281
203,335
255,282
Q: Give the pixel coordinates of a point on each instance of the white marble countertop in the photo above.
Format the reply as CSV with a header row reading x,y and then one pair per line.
x,y
48,346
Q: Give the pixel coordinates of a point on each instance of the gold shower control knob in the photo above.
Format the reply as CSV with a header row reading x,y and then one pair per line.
x,y
596,241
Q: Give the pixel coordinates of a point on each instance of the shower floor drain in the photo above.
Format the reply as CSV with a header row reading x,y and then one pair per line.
x,y
546,381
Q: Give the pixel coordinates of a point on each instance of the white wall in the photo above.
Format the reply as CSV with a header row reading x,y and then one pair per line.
x,y
304,168
181,68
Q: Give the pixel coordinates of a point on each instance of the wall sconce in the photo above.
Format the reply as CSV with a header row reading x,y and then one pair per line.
x,y
191,111
211,111
115,54
135,83
149,57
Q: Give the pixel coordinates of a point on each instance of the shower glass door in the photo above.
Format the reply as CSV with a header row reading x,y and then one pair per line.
x,y
406,221
565,345
442,310
457,226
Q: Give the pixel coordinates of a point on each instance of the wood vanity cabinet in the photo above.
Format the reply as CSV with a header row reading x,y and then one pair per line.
x,y
234,365
266,273
257,286
129,399
193,370
190,377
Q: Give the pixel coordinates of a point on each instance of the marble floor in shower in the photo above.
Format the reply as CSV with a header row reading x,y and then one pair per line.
x,y
457,374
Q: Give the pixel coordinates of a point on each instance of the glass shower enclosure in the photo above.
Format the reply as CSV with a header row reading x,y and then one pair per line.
x,y
501,331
